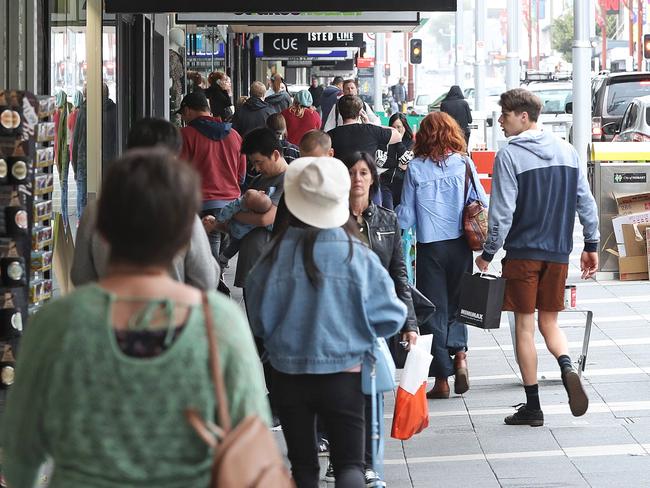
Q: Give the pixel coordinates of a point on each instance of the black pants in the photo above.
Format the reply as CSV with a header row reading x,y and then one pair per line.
x,y
440,267
338,401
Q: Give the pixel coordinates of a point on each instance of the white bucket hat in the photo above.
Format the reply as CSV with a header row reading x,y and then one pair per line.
x,y
317,191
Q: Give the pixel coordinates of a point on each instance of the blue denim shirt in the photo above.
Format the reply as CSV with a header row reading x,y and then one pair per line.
x,y
433,198
308,330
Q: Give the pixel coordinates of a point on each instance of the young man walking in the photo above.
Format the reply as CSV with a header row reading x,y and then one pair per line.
x,y
538,185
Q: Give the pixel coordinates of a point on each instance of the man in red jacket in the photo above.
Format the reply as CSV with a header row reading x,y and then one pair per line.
x,y
214,149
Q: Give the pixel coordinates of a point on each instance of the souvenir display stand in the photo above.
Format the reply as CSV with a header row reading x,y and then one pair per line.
x,y
26,185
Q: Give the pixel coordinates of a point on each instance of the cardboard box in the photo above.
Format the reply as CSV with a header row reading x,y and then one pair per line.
x,y
632,203
617,223
633,268
647,240
634,239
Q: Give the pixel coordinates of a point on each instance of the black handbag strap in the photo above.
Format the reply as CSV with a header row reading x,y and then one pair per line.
x,y
468,177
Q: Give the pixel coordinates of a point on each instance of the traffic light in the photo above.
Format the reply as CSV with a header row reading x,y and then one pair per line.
x,y
416,51
646,46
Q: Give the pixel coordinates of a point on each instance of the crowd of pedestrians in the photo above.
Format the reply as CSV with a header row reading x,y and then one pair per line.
x,y
302,189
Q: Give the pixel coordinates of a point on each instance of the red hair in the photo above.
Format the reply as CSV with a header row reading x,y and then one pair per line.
x,y
439,134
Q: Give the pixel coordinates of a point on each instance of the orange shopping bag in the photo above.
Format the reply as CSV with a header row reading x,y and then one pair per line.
x,y
411,413
411,410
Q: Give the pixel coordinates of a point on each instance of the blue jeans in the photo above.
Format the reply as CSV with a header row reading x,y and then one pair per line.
x,y
440,268
82,188
214,237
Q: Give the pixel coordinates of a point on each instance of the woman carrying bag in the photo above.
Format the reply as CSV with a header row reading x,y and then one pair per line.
x,y
433,199
105,374
329,299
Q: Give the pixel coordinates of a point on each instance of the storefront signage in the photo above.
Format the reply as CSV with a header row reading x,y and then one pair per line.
x,y
285,45
279,18
163,6
335,39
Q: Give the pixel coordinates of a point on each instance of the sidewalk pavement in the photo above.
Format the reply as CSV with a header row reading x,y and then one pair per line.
x,y
467,443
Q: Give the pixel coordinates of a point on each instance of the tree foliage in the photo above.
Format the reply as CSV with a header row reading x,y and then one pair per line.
x,y
562,36
562,33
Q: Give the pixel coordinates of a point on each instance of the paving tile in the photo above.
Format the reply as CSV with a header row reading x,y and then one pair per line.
x,y
592,435
475,474
539,469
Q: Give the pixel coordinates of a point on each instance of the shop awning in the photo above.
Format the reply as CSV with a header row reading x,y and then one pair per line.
x,y
171,6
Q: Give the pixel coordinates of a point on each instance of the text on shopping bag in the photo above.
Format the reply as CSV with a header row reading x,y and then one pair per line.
x,y
481,300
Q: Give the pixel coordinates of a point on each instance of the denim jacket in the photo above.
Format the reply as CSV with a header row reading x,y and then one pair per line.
x,y
308,330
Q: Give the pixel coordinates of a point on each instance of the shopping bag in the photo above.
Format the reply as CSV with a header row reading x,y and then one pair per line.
x,y
411,413
481,300
424,310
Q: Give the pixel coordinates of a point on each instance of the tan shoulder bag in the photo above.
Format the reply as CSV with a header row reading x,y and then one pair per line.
x,y
246,456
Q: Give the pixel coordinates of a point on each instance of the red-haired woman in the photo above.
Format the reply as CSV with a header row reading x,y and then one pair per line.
x,y
433,198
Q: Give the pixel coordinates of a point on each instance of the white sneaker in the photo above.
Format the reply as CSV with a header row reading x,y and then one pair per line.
x,y
329,473
373,480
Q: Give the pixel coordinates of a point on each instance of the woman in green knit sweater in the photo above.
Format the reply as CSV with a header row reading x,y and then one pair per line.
x,y
104,374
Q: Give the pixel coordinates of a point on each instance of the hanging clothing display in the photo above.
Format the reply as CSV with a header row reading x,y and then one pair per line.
x,y
62,149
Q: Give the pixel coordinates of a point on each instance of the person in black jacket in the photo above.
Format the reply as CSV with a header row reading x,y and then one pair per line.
x,y
253,112
219,95
398,158
380,231
455,105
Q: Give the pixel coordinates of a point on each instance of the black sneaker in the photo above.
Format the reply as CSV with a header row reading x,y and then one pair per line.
x,y
525,416
578,401
323,447
372,479
329,474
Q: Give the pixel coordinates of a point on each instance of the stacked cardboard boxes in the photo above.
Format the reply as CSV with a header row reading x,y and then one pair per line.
x,y
631,231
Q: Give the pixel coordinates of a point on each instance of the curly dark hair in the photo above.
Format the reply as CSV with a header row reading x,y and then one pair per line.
x,y
438,136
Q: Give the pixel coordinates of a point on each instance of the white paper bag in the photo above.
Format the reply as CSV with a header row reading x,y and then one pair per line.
x,y
416,367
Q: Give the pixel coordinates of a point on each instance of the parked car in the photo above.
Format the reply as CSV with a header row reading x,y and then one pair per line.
x,y
492,96
425,103
635,124
611,93
555,95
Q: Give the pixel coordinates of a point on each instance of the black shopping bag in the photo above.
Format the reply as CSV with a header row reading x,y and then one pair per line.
x,y
481,300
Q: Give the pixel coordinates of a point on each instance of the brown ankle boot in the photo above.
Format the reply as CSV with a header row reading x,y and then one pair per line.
x,y
440,389
461,383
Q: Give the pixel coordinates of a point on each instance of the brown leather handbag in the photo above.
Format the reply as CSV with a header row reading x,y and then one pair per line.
x,y
246,456
475,215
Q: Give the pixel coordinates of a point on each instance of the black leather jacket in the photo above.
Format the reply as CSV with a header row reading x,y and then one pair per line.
x,y
385,240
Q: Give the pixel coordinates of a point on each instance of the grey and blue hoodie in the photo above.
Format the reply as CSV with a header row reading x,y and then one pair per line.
x,y
537,186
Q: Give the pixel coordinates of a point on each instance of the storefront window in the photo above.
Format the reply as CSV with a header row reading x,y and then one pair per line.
x,y
68,84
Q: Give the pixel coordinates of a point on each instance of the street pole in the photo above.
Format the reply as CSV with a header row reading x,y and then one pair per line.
x,y
581,80
459,72
480,17
379,75
537,12
513,76
639,42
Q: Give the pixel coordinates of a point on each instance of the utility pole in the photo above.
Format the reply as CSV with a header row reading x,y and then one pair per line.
x,y
459,72
513,76
379,74
537,12
529,24
639,41
581,80
480,17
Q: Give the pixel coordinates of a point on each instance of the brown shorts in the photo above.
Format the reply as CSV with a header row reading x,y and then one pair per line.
x,y
534,285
